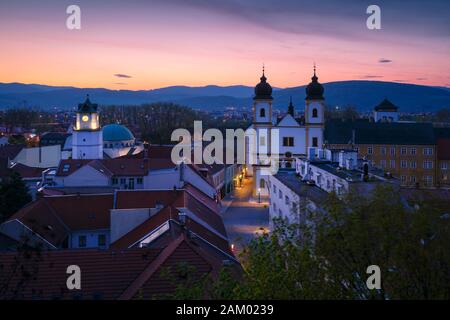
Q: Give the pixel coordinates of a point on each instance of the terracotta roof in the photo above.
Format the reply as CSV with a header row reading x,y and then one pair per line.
x,y
10,150
145,228
134,199
131,199
53,217
69,166
107,274
170,214
26,171
443,149
160,151
116,166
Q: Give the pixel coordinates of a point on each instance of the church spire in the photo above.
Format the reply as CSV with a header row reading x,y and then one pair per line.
x,y
291,107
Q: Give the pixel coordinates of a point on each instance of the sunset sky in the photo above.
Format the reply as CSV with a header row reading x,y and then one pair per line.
x,y
150,44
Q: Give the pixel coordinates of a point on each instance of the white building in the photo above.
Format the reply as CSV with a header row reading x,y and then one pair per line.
x,y
386,111
285,138
89,140
87,136
339,171
291,197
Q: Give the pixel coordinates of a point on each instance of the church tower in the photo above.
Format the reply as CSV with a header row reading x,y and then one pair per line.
x,y
262,103
87,138
314,113
262,125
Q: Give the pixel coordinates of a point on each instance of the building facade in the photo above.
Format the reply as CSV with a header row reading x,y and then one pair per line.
x,y
275,142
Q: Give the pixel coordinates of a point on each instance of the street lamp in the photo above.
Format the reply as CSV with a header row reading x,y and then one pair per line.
x,y
259,195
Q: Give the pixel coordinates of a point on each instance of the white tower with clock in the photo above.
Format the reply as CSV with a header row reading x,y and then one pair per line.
x,y
87,138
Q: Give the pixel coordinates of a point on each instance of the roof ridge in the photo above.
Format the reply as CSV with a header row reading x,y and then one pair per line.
x,y
151,268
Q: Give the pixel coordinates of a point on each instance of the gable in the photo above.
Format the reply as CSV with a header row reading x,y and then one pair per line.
x,y
86,176
288,121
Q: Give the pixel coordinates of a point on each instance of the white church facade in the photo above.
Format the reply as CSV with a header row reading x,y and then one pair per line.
x,y
282,140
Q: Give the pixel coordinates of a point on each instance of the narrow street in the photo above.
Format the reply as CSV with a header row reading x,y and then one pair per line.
x,y
244,217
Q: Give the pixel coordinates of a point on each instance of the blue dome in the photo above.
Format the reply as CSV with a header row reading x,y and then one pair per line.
x,y
116,132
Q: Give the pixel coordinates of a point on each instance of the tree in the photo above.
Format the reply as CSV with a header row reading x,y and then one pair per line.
x,y
326,256
13,195
443,115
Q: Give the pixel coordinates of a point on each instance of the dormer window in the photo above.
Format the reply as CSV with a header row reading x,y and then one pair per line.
x,y
262,113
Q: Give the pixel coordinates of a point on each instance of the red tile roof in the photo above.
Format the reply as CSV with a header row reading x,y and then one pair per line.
x,y
26,171
53,217
104,274
126,274
116,166
145,228
443,149
134,199
10,151
190,199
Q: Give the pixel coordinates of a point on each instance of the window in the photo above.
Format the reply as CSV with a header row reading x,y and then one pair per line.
x,y
287,200
66,168
413,164
275,189
369,150
274,206
383,164
131,183
114,180
262,183
392,151
428,151
139,180
122,180
413,151
262,141
280,194
294,207
383,151
403,151
315,142
262,113
403,164
101,240
444,165
428,180
392,164
403,178
427,164
288,141
82,241
280,213
412,179
314,113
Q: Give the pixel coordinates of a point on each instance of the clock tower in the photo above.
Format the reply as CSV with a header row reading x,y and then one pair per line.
x,y
87,139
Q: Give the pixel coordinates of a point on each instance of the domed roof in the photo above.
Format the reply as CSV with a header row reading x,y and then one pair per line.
x,y
116,132
314,90
263,90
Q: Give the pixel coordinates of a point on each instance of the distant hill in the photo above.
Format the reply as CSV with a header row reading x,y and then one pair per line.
x,y
363,95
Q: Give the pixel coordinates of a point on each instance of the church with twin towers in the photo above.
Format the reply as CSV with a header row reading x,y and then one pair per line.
x,y
283,138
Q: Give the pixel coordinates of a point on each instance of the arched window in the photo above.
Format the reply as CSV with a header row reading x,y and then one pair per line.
x,y
315,142
262,183
314,115
262,113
